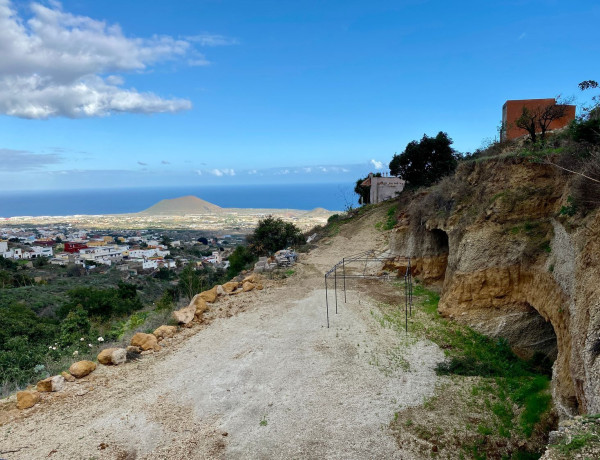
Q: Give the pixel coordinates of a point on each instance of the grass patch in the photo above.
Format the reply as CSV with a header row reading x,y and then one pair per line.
x,y
494,400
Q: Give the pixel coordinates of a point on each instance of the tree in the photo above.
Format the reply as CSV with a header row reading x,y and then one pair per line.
x,y
364,193
424,162
537,120
239,259
272,234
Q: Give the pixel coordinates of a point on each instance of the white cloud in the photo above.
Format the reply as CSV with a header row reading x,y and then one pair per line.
x,y
53,64
222,172
252,171
522,36
22,160
307,170
199,172
377,164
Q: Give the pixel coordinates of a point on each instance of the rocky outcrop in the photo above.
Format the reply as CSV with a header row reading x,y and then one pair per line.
x,y
511,267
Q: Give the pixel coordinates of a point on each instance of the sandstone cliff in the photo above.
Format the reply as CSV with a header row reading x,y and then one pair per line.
x,y
511,265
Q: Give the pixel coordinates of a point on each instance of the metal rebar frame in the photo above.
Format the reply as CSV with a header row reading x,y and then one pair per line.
x,y
349,266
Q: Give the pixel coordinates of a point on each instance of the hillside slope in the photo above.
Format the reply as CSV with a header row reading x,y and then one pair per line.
x,y
265,378
512,265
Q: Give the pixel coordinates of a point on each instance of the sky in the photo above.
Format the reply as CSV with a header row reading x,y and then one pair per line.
x,y
198,92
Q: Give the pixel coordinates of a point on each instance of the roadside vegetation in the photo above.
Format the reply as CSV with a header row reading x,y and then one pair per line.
x,y
72,313
488,404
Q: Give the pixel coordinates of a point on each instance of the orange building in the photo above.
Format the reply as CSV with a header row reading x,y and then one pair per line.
x,y
512,110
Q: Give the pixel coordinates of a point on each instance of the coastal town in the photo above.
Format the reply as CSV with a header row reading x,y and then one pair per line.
x,y
131,251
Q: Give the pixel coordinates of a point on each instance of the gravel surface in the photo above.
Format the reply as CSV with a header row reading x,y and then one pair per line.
x,y
271,381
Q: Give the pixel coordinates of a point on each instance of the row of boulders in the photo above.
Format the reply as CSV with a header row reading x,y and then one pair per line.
x,y
199,304
140,342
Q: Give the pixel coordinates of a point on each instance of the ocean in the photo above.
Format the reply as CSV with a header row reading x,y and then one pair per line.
x,y
334,197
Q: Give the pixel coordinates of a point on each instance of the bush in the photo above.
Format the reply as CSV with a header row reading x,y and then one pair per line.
x,y
24,340
102,303
585,131
239,259
272,234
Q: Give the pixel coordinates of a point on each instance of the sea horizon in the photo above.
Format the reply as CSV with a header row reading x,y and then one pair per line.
x,y
331,196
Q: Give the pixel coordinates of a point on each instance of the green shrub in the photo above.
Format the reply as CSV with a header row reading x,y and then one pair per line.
x,y
273,234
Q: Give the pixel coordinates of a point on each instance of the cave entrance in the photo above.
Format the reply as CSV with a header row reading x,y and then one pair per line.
x,y
440,241
431,267
533,338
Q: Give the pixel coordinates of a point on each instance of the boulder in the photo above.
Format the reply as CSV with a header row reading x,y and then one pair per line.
x,y
200,306
68,377
27,399
82,368
112,356
55,383
210,296
230,286
253,278
248,286
145,341
259,287
134,349
220,290
164,332
185,315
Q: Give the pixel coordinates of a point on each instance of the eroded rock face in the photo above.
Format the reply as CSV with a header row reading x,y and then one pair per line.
x,y
510,269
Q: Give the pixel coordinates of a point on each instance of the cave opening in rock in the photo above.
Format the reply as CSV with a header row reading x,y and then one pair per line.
x,y
440,240
533,338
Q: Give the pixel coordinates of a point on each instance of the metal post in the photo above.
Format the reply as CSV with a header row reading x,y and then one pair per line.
x,y
405,304
344,272
410,287
326,301
335,286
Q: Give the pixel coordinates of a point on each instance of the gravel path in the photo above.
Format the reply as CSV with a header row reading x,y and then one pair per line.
x,y
269,382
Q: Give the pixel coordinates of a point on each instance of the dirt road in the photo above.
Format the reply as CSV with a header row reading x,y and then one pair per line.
x,y
269,382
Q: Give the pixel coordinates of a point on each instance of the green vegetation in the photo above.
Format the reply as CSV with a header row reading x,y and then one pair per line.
x,y
239,260
424,162
271,235
508,397
390,220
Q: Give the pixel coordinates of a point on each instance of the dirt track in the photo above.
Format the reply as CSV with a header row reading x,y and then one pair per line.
x,y
269,382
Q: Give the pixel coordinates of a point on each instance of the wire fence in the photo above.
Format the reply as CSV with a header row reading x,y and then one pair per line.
x,y
364,266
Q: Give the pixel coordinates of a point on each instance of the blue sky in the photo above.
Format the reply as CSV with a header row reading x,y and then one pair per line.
x,y
151,93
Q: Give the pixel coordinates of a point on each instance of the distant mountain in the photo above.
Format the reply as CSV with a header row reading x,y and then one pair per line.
x,y
181,206
318,212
